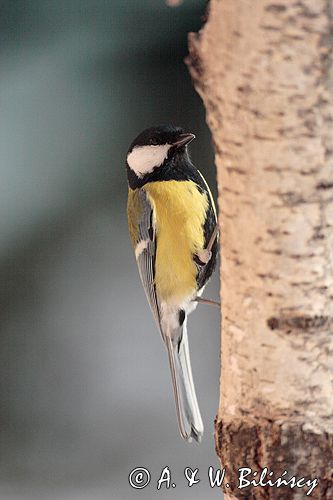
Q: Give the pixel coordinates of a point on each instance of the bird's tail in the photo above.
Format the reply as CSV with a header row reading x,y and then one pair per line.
x,y
188,413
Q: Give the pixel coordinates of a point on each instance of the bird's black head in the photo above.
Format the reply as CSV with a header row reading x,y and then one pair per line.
x,y
153,148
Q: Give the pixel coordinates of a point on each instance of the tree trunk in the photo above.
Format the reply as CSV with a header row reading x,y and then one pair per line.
x,y
264,71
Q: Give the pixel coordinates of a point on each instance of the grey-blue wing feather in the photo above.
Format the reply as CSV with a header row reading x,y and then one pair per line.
x,y
146,258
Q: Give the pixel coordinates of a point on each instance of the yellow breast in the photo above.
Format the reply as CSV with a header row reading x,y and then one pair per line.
x,y
179,210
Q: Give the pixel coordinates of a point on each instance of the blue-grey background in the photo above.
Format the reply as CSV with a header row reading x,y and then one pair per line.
x,y
85,391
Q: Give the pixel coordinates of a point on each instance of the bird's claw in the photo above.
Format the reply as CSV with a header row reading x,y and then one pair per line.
x,y
204,255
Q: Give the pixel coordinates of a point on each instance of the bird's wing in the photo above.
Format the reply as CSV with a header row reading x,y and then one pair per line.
x,y
143,237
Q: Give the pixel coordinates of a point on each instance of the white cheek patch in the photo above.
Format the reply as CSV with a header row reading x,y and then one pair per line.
x,y
143,159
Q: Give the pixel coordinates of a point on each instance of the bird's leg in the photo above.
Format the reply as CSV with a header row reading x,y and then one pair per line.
x,y
213,237
206,301
206,254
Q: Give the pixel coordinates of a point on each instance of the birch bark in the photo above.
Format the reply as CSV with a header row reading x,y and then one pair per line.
x,y
264,71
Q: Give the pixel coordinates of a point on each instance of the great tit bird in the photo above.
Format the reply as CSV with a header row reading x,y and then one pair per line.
x,y
173,228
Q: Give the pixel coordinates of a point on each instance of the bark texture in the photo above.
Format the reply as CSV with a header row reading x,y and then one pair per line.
x,y
264,71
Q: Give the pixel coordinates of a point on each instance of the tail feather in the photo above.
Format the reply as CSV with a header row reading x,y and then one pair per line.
x,y
188,413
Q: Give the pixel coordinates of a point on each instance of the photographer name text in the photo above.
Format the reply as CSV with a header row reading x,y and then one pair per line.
x,y
141,477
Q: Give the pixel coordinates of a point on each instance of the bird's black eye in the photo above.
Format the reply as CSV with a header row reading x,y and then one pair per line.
x,y
153,142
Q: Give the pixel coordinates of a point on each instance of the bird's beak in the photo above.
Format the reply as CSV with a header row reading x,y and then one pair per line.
x,y
183,139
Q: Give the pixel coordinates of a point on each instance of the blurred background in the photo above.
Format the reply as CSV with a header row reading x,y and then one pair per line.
x,y
85,394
